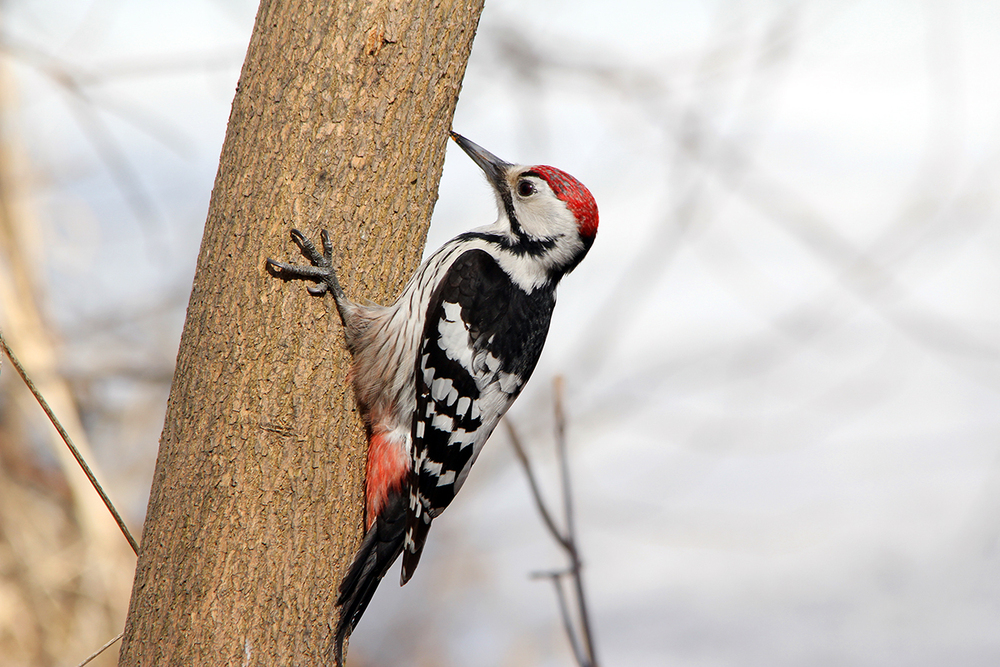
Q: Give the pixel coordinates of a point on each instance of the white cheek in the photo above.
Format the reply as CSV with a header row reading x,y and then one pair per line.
x,y
545,218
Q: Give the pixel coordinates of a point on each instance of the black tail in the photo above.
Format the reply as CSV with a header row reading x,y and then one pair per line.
x,y
378,551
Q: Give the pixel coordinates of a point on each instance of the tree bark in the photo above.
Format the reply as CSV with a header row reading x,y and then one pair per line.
x,y
340,121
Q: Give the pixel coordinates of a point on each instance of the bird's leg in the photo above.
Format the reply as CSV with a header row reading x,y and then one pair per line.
x,y
321,271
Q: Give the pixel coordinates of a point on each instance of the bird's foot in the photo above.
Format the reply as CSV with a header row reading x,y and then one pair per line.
x,y
322,265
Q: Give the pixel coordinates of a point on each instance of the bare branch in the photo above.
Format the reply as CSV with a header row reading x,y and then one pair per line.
x,y
123,172
70,79
574,641
536,493
69,443
79,83
102,649
582,642
581,598
169,65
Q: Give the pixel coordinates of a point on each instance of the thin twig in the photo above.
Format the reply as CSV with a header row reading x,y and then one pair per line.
x,y
536,493
69,443
102,649
79,83
583,649
574,555
122,171
557,391
556,578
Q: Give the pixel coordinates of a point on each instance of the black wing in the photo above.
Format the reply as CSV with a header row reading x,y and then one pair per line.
x,y
482,338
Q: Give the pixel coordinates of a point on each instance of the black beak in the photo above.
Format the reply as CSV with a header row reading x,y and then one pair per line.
x,y
494,167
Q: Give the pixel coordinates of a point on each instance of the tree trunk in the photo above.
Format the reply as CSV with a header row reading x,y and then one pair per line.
x,y
340,121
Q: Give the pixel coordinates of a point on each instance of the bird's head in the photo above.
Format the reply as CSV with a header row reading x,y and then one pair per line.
x,y
543,211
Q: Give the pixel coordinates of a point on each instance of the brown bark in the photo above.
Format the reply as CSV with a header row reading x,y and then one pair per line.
x,y
340,121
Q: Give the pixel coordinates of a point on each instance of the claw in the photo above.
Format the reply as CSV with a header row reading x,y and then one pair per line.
x,y
327,245
284,267
310,251
315,272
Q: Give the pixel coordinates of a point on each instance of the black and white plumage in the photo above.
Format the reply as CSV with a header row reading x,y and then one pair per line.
x,y
434,372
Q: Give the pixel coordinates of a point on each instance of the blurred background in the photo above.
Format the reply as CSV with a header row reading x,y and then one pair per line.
x,y
781,357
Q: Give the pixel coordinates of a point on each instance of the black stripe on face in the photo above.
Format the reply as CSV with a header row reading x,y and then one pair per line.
x,y
523,245
508,206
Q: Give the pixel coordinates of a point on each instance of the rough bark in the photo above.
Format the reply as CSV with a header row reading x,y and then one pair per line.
x,y
340,121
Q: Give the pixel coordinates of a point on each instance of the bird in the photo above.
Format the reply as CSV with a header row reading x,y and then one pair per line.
x,y
434,372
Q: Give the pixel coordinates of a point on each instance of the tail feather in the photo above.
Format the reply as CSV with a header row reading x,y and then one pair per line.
x,y
378,551
416,535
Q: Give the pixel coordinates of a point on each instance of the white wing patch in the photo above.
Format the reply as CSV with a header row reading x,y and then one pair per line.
x,y
443,422
455,336
509,383
443,389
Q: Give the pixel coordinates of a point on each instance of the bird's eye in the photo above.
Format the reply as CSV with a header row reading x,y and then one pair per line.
x,y
525,188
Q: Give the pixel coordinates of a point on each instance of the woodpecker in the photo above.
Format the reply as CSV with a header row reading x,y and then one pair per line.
x,y
434,372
